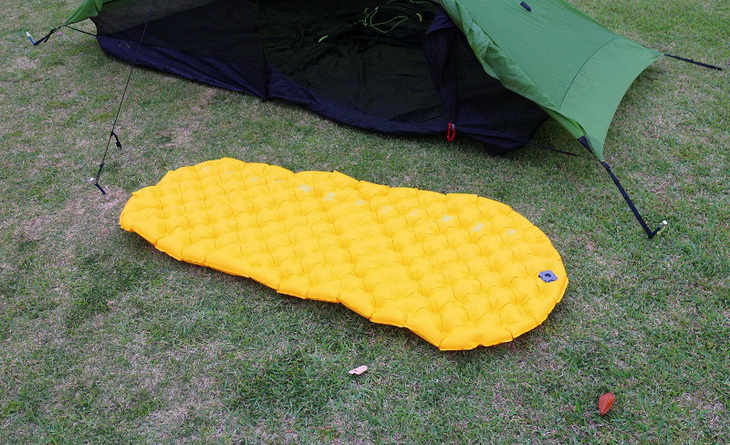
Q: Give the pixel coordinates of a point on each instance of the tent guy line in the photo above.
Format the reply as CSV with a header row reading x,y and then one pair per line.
x,y
112,133
694,62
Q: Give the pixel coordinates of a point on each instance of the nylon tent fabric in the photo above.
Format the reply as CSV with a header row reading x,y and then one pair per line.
x,y
557,56
88,9
277,49
91,8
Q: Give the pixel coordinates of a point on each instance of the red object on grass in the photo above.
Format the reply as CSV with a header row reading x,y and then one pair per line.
x,y
605,402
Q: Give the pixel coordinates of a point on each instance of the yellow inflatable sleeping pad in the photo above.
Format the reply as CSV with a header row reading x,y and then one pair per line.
x,y
458,270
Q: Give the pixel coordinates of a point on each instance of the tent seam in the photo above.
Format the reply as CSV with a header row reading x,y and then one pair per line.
x,y
581,69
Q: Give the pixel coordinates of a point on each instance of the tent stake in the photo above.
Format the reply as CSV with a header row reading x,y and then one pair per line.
x,y
42,39
638,216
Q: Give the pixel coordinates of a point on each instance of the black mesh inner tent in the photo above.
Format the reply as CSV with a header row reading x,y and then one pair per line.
x,y
366,54
398,66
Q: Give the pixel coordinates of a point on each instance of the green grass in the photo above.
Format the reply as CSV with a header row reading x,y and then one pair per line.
x,y
106,340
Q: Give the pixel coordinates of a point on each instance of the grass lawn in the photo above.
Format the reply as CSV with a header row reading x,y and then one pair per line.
x,y
106,340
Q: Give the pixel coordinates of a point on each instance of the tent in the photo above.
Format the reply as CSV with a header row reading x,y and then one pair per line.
x,y
493,70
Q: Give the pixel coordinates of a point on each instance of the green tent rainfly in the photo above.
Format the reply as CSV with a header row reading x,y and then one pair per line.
x,y
557,56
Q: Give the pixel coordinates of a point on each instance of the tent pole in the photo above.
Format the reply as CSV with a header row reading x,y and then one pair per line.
x,y
649,233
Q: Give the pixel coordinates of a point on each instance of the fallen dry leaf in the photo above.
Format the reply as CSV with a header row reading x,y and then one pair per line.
x,y
605,402
359,370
